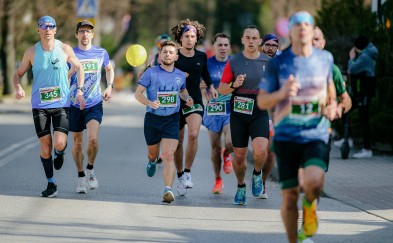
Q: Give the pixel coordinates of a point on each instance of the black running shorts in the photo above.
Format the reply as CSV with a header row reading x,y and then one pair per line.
x,y
44,117
159,127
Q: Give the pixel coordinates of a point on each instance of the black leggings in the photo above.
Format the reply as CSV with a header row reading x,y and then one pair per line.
x,y
363,104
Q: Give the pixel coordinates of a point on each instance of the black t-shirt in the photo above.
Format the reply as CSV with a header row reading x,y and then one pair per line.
x,y
196,67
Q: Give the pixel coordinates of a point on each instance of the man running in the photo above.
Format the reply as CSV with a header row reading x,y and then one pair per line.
x,y
270,45
241,77
299,84
217,112
50,95
92,59
194,63
165,85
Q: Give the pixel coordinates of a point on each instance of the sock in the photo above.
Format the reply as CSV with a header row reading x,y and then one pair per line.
x,y
187,170
81,174
179,174
168,187
89,167
241,186
218,178
51,180
306,203
48,167
256,173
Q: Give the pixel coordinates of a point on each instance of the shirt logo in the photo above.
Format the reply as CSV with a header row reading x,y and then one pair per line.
x,y
55,61
177,79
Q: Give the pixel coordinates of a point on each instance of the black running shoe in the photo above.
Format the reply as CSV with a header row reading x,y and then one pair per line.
x,y
51,190
58,161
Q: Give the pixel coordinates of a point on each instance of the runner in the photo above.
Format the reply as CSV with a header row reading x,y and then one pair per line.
x,y
48,58
241,77
194,63
299,84
216,116
163,84
92,59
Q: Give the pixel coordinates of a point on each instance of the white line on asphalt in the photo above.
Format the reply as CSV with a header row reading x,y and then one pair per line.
x,y
17,149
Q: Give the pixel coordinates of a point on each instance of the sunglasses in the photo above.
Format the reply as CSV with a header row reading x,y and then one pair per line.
x,y
45,26
85,31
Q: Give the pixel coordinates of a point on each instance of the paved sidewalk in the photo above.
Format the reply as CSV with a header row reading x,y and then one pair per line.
x,y
366,184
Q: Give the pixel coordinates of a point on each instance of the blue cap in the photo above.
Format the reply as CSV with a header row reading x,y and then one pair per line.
x,y
46,20
269,37
300,17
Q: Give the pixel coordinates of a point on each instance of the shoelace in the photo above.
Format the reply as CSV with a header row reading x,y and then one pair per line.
x,y
241,193
256,182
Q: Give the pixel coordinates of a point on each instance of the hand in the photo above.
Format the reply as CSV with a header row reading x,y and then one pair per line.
x,y
239,81
189,101
20,93
331,110
339,111
202,85
154,104
108,93
213,92
80,99
290,88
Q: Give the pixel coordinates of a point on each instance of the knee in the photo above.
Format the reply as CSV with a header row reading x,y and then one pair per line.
x,y
260,155
60,145
240,157
93,142
193,135
313,185
46,151
216,149
167,155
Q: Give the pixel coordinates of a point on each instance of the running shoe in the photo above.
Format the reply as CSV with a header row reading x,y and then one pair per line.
x,y
227,166
181,188
310,219
240,197
187,180
151,169
92,182
58,161
168,196
364,154
218,186
51,190
81,185
257,185
338,143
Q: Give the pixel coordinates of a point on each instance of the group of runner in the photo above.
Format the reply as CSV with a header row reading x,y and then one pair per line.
x,y
298,84
65,105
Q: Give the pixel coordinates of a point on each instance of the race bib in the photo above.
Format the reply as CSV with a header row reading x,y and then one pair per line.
x,y
50,94
304,107
196,107
243,105
90,65
167,99
216,108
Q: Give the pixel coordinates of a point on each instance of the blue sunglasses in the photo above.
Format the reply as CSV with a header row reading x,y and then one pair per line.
x,y
45,26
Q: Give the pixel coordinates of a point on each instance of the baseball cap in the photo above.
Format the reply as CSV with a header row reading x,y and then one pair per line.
x,y
300,17
84,23
269,37
46,20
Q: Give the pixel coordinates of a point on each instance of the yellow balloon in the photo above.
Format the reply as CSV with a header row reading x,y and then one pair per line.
x,y
136,55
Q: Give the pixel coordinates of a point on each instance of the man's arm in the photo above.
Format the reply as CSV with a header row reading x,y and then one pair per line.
x,y
110,77
71,58
139,96
186,97
24,66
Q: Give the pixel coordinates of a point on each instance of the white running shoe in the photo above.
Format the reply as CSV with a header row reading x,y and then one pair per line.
x,y
338,143
81,185
187,181
168,196
364,154
181,188
92,182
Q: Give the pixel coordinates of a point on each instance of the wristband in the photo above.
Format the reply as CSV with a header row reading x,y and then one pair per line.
x,y
80,88
110,84
231,85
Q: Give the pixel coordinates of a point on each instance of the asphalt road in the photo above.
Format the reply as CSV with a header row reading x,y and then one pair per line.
x,y
127,205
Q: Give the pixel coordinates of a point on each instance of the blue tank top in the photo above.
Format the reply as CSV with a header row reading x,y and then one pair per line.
x,y
50,72
165,87
216,68
92,61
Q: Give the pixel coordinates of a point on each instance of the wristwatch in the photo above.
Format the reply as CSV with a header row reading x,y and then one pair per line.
x,y
110,84
80,88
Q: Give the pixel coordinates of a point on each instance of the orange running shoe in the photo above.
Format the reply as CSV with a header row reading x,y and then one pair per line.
x,y
217,188
227,166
